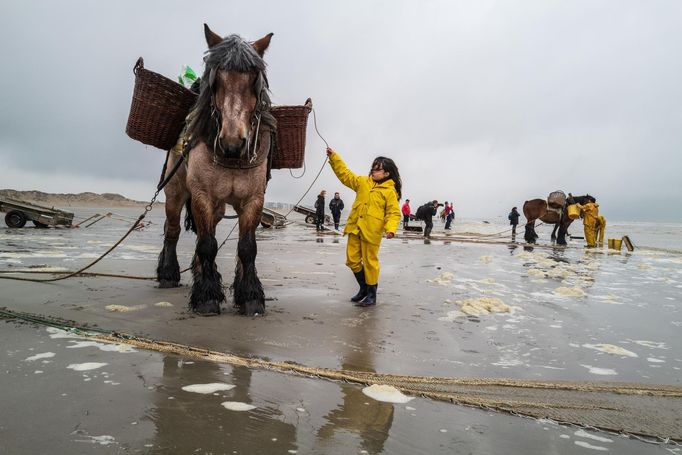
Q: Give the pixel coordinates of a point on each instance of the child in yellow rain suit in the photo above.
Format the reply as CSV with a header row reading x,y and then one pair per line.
x,y
590,215
375,211
600,228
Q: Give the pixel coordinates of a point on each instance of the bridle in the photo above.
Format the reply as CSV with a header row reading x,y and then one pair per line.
x,y
251,153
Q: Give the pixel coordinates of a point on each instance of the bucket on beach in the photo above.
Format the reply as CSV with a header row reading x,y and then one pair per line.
x,y
615,244
573,211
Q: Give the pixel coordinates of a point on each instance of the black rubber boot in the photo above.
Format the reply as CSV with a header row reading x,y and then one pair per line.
x,y
371,298
362,293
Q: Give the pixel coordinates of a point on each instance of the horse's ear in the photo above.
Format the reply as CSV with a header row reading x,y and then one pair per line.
x,y
262,44
211,38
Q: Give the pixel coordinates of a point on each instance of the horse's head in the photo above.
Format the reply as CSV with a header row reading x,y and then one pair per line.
x,y
233,93
584,199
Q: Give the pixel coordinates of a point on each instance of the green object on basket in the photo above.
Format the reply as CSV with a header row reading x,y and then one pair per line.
x,y
187,76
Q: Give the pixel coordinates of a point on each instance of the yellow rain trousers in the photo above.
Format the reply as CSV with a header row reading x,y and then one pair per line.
x,y
360,254
600,228
590,214
375,211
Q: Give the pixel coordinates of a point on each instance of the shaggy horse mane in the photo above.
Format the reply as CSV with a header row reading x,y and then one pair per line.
x,y
232,54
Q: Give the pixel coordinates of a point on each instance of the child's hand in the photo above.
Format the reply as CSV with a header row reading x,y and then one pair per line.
x,y
390,235
330,152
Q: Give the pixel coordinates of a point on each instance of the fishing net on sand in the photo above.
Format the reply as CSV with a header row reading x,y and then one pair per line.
x,y
653,411
644,410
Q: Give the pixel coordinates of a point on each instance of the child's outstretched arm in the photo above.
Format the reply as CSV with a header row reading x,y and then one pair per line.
x,y
345,175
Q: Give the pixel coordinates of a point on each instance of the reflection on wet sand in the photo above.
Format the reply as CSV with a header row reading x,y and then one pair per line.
x,y
191,422
371,420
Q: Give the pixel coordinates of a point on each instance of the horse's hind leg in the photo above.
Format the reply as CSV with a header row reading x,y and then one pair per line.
x,y
530,234
248,290
168,269
207,289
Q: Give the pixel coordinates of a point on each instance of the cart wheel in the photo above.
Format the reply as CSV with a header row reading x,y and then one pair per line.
x,y
15,219
39,225
266,225
310,219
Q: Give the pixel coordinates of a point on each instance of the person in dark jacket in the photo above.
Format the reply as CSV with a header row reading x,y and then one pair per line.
x,y
514,219
336,205
319,211
426,213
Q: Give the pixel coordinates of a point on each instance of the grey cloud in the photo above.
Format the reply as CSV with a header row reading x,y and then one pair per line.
x,y
489,103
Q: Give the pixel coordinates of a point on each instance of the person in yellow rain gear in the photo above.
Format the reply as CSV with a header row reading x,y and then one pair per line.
x,y
599,229
374,211
590,212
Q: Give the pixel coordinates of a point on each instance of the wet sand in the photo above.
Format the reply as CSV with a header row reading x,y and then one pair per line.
x,y
89,397
573,315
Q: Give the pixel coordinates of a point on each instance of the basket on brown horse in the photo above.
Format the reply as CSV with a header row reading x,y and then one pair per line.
x,y
230,133
551,211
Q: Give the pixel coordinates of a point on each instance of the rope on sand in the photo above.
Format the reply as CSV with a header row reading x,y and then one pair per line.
x,y
643,411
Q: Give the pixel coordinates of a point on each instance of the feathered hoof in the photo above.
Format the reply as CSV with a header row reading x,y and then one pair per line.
x,y
252,308
164,284
208,308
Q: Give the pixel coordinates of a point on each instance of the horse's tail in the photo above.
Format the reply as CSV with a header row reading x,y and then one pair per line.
x,y
189,219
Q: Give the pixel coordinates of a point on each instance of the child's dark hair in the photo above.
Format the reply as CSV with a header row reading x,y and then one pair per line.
x,y
389,166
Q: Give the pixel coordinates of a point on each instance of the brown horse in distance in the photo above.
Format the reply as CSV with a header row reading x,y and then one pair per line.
x,y
537,209
229,136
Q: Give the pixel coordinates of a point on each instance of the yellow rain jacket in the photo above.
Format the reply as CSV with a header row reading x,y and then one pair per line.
x,y
375,209
590,213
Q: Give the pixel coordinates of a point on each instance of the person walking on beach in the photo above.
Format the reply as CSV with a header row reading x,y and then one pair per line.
x,y
375,211
336,205
405,209
600,229
426,213
514,219
444,212
449,215
319,211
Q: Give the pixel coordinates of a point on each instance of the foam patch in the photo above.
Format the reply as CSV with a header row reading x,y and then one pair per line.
x,y
386,393
237,406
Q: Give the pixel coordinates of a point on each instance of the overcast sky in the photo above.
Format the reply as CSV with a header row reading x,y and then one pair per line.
x,y
487,103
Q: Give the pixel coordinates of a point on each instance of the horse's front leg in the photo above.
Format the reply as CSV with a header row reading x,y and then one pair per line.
x,y
168,269
563,230
553,236
207,290
248,291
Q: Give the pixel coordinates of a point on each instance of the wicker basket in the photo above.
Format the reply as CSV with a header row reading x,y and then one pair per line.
x,y
557,199
158,110
291,126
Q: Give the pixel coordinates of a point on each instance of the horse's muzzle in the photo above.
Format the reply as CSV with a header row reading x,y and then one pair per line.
x,y
233,149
